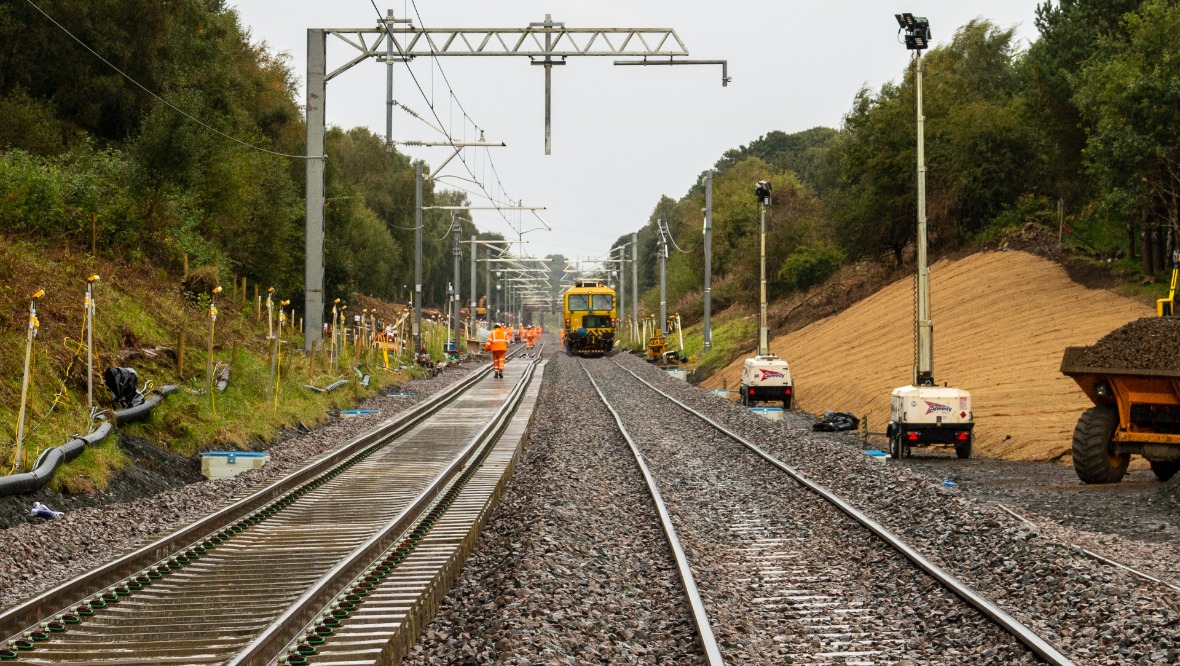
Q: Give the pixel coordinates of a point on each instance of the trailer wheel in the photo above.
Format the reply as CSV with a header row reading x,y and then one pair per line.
x,y
963,449
895,446
1165,469
1094,461
787,401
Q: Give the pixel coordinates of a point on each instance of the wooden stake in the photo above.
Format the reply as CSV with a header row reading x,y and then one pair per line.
x,y
180,353
185,276
243,287
94,234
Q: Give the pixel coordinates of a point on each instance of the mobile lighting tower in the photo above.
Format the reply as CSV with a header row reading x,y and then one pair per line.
x,y
922,413
765,377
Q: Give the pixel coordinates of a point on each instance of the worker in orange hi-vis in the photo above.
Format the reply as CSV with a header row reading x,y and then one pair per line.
x,y
508,332
520,332
529,338
497,344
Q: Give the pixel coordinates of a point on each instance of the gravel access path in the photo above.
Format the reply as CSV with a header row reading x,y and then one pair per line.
x,y
1094,613
39,554
786,577
572,568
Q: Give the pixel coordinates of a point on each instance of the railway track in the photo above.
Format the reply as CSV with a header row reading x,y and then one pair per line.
x,y
338,563
794,572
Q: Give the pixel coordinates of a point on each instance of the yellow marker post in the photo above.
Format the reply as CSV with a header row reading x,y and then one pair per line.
x,y
209,359
90,344
34,327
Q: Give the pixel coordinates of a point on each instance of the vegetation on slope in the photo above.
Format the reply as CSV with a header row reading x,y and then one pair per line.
x,y
1077,133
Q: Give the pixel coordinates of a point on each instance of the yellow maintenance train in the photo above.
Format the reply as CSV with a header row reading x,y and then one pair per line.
x,y
589,319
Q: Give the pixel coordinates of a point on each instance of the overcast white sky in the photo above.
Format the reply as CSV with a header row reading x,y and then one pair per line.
x,y
622,136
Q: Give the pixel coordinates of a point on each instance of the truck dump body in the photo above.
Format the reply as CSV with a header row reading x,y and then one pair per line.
x,y
1132,375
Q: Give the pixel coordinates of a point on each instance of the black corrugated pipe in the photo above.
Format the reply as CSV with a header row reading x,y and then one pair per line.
x,y
141,411
52,458
48,462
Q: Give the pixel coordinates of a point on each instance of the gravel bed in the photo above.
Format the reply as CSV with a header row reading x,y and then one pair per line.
x,y
572,567
1094,613
43,553
784,575
1151,343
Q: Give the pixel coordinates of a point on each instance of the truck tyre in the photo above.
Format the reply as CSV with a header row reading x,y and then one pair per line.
x,y
1093,459
1165,469
963,449
895,445
787,402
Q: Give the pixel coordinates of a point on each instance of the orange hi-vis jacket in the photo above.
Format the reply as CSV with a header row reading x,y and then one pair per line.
x,y
521,332
497,340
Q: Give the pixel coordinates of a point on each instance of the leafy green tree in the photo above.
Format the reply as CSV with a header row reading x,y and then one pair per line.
x,y
1070,32
1129,97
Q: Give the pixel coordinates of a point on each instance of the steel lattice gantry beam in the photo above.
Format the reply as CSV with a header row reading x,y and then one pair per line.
x,y
536,41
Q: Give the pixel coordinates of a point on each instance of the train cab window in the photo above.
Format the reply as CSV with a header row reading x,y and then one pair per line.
x,y
578,302
603,302
596,321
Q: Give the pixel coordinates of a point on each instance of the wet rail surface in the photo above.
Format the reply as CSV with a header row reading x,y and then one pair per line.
x,y
805,581
219,602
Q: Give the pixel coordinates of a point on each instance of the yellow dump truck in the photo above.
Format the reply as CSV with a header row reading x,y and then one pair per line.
x,y
1135,412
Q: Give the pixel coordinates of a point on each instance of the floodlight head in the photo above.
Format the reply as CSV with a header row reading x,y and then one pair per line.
x,y
907,20
900,20
217,289
762,191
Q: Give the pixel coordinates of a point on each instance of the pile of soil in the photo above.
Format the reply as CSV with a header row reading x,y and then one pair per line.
x,y
1151,343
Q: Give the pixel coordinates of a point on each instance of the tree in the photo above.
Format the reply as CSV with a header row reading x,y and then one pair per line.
x,y
1128,95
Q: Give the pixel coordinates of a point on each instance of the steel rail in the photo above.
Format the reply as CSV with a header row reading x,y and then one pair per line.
x,y
294,621
60,598
699,617
1027,636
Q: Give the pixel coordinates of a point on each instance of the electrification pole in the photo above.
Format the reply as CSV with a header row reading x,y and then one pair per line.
x,y
634,280
622,307
663,249
313,249
456,231
471,315
708,326
416,326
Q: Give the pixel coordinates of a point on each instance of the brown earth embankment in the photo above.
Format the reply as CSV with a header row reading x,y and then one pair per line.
x,y
1002,321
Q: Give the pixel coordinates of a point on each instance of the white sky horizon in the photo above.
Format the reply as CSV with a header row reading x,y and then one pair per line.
x,y
622,136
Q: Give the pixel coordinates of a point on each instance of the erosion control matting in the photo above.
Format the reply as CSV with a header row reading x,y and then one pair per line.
x,y
1150,343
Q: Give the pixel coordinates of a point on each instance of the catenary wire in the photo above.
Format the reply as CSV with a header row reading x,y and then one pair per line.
x,y
429,100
